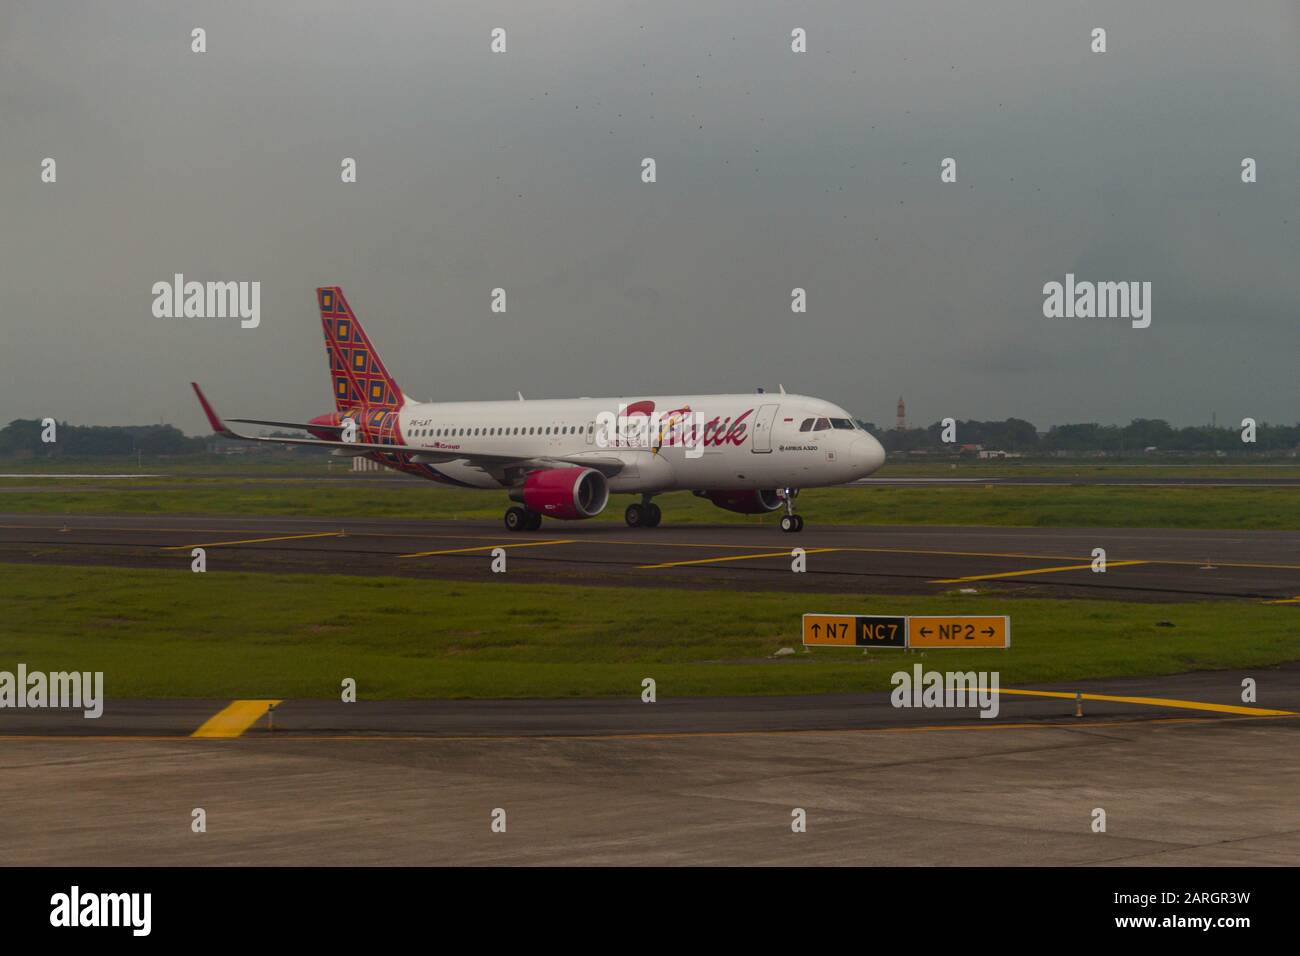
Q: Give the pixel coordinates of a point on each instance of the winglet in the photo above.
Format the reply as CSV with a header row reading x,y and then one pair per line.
x,y
217,424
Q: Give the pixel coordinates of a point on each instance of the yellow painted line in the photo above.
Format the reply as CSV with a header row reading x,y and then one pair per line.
x,y
1019,574
637,541
1294,600
287,537
233,720
487,547
1158,702
970,554
735,557
641,541
847,549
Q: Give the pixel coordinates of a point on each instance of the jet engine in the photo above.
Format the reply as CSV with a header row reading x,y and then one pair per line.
x,y
565,493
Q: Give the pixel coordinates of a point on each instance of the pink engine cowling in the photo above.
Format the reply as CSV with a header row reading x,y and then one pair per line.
x,y
566,493
745,502
327,431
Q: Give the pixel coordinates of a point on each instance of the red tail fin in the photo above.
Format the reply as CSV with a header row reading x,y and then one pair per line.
x,y
358,374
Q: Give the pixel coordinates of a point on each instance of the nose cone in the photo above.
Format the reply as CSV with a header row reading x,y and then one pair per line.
x,y
867,455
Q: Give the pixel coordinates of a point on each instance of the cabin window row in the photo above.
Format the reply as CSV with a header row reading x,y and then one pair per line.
x,y
500,431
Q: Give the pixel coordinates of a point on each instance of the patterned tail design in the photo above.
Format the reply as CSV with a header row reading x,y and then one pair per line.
x,y
359,378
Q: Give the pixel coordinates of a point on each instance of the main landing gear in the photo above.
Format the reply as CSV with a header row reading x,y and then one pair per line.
x,y
644,515
522,519
791,522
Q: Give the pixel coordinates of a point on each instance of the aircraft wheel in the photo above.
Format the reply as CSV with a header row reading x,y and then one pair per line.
x,y
516,519
799,521
534,521
653,515
635,516
791,523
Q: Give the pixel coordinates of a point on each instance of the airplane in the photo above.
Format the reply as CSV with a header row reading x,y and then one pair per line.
x,y
561,459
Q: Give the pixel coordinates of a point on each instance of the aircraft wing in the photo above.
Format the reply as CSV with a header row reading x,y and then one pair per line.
x,y
605,462
489,461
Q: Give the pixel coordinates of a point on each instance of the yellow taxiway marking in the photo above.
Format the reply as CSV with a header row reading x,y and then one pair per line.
x,y
641,541
286,537
487,547
233,720
736,557
1018,574
845,548
1158,702
1291,600
849,549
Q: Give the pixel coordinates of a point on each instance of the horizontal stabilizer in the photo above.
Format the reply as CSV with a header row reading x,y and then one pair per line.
x,y
306,426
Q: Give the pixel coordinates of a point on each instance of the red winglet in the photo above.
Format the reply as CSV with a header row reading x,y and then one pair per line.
x,y
217,424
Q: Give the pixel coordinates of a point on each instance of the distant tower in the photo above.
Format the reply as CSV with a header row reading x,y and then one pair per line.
x,y
902,415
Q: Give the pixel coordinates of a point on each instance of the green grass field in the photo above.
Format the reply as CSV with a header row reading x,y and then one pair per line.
x,y
1004,505
179,634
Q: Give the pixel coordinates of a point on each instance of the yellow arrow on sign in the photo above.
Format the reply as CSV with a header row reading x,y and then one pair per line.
x,y
832,630
959,631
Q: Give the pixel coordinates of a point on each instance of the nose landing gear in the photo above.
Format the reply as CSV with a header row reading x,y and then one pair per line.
x,y
790,522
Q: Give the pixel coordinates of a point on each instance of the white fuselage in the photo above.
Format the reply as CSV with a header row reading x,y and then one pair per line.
x,y
750,441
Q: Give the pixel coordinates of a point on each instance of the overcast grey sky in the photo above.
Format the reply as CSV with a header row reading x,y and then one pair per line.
x,y
775,170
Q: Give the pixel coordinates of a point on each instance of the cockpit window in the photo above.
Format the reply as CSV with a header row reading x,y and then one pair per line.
x,y
842,423
807,425
822,424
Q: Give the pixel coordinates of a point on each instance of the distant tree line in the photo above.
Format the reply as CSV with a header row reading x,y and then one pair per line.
x,y
21,438
1018,435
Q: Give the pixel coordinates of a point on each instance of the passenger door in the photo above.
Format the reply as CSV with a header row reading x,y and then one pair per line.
x,y
763,429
